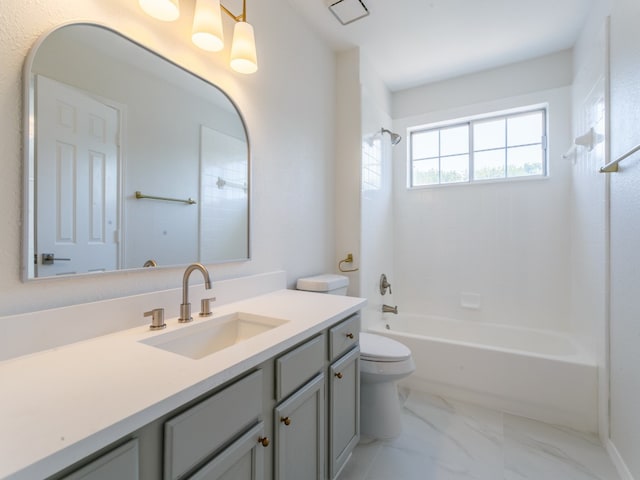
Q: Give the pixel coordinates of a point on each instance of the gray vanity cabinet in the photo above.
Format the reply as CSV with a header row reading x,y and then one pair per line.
x,y
299,421
200,431
120,463
293,417
299,428
344,392
344,410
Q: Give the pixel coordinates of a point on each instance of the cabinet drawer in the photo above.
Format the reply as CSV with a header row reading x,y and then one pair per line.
x,y
198,432
344,336
121,463
299,365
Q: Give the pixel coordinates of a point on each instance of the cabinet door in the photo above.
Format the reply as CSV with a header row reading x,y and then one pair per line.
x,y
121,463
344,409
242,460
299,434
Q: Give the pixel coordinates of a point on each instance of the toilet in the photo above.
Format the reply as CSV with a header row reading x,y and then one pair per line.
x,y
383,361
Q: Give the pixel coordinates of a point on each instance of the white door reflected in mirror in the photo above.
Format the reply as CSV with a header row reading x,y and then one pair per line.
x,y
77,178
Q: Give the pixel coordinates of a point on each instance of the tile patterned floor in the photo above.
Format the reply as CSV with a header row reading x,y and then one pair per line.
x,y
449,440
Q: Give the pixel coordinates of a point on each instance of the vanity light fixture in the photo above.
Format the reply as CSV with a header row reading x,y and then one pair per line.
x,y
207,26
207,30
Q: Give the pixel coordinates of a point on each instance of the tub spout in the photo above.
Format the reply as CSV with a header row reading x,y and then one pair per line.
x,y
390,309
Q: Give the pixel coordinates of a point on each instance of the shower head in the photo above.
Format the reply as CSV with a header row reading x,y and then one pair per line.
x,y
395,138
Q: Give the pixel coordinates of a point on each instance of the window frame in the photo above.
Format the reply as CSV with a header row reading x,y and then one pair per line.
x,y
469,123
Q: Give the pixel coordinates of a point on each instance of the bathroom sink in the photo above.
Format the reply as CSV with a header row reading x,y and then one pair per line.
x,y
213,335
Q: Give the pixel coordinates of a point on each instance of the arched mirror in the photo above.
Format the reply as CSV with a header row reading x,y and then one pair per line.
x,y
131,160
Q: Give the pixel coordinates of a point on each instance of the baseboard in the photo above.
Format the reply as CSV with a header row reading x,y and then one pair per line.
x,y
617,460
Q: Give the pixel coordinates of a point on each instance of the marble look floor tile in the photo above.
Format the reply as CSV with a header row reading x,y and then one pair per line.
x,y
536,450
449,440
485,423
361,461
443,440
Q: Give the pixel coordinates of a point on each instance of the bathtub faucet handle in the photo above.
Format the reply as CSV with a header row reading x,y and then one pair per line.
x,y
384,284
390,309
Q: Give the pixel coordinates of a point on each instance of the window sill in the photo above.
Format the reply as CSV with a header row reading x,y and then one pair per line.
x,y
493,181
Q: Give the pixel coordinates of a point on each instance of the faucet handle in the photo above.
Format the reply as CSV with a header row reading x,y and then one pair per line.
x,y
205,306
157,318
384,285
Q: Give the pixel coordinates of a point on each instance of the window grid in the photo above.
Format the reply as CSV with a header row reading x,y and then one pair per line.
x,y
471,154
471,151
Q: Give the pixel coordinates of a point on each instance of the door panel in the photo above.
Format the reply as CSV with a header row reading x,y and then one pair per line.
x,y
77,176
242,460
300,443
344,409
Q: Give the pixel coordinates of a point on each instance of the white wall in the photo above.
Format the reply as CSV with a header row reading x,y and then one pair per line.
x,y
508,241
347,206
377,200
289,113
625,235
363,208
512,80
589,197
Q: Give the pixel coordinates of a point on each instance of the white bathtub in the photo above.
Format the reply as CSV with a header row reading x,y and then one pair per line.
x,y
538,374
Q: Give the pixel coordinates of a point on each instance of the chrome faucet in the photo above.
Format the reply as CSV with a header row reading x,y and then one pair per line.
x,y
389,309
185,307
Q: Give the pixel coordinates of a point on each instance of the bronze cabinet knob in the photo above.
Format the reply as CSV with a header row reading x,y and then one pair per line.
x,y
286,421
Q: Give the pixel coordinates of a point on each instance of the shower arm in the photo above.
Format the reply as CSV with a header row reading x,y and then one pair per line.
x,y
395,138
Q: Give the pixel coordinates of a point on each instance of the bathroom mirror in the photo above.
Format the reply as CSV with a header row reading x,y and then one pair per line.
x,y
131,160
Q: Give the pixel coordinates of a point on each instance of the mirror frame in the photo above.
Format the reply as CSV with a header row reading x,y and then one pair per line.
x,y
28,165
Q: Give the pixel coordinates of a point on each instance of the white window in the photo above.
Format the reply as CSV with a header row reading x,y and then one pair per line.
x,y
488,148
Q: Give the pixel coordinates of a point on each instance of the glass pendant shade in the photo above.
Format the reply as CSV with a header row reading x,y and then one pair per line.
x,y
207,26
243,49
165,10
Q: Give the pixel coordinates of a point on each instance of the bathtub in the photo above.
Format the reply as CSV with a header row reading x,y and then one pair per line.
x,y
538,374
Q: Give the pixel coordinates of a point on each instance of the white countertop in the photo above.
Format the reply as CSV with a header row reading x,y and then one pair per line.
x,y
60,405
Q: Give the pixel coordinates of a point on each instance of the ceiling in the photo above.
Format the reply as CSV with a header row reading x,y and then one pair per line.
x,y
415,42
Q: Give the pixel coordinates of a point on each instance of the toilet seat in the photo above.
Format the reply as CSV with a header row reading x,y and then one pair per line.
x,y
376,348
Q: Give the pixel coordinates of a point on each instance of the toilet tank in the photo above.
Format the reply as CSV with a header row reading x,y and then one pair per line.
x,y
326,283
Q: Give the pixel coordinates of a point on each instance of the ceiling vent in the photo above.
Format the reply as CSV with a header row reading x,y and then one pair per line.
x,y
348,11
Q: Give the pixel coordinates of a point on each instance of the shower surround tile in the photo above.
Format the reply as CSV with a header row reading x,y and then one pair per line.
x,y
449,440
